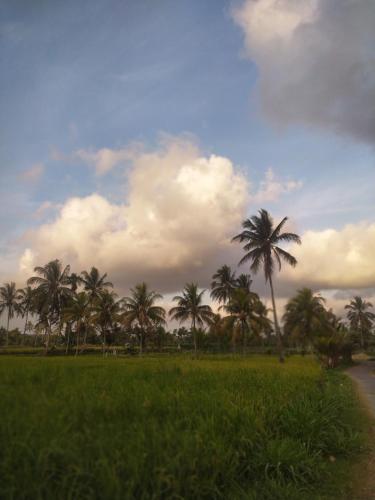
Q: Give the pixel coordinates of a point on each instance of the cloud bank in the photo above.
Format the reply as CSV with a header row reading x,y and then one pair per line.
x,y
182,208
333,259
316,62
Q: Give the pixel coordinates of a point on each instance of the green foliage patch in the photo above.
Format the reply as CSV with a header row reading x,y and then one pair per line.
x,y
154,428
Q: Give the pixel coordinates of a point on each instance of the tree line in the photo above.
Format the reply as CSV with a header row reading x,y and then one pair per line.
x,y
74,307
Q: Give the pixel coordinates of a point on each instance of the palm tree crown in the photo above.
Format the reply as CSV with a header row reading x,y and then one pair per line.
x,y
190,307
140,310
26,303
78,311
95,284
240,307
304,315
262,240
9,297
360,318
224,280
244,281
51,288
106,312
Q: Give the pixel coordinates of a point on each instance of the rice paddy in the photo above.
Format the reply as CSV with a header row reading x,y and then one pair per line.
x,y
173,427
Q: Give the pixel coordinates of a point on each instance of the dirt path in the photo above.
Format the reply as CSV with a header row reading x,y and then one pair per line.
x,y
364,376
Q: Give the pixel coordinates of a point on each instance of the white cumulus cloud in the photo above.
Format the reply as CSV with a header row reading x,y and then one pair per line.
x,y
271,188
182,209
334,259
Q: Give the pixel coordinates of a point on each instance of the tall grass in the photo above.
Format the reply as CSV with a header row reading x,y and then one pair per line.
x,y
158,428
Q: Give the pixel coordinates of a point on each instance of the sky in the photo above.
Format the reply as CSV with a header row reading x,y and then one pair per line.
x,y
136,135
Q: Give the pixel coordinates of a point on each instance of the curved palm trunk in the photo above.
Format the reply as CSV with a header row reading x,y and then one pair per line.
x,y
277,329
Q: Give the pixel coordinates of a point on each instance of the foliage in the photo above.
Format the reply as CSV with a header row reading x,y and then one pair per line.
x,y
262,248
360,318
190,307
140,311
220,427
224,281
305,317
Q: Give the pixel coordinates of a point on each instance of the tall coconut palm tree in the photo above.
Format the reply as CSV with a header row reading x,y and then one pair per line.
x,y
223,283
190,307
107,312
94,284
360,318
52,290
305,315
26,302
9,297
141,312
78,311
262,239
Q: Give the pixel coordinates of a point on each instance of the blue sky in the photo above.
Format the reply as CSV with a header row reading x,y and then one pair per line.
x,y
87,75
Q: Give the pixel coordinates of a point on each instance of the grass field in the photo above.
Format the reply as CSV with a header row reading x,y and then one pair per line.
x,y
156,428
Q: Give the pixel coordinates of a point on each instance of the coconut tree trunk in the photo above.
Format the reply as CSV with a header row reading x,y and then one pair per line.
x,y
141,342
243,336
48,332
194,337
361,337
276,323
103,333
7,337
77,343
24,329
68,327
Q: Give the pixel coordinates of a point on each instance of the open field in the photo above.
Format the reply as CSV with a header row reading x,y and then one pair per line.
x,y
163,427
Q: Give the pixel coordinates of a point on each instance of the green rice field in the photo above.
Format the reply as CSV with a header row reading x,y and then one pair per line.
x,y
175,428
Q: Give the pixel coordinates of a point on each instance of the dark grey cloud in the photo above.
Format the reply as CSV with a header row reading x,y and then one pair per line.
x,y
316,62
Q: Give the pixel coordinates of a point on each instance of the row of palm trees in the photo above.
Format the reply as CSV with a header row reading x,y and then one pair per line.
x,y
74,304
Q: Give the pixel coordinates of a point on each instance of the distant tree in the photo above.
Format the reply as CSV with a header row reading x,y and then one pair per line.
x,y
52,290
262,240
224,281
244,281
9,297
360,318
78,311
305,316
107,312
26,304
240,308
140,310
94,284
190,307
74,281
262,323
